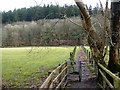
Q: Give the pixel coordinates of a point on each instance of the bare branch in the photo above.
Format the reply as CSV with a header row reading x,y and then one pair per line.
x,y
35,2
110,39
56,2
102,11
40,2
89,27
105,18
72,21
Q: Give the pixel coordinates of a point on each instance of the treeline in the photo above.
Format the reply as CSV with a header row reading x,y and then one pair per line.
x,y
42,26
42,33
47,12
49,32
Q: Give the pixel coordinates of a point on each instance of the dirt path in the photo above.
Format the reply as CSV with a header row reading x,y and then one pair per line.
x,y
87,80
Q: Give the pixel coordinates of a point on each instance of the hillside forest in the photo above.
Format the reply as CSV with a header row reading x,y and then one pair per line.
x,y
46,26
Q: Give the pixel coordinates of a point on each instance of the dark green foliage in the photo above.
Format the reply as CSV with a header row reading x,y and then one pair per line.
x,y
36,13
47,26
45,12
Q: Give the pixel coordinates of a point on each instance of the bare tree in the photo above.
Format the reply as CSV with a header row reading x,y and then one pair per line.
x,y
95,42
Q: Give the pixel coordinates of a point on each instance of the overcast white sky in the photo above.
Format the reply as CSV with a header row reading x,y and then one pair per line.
x,y
6,5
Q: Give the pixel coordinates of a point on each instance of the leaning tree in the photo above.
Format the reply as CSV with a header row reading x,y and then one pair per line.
x,y
97,44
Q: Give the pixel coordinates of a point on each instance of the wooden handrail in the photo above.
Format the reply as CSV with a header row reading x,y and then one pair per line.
x,y
49,81
61,81
44,85
106,80
59,67
109,72
116,79
60,74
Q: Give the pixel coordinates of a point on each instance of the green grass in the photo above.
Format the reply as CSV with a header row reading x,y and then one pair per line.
x,y
24,66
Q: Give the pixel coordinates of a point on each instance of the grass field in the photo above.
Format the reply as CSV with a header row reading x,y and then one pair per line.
x,y
28,67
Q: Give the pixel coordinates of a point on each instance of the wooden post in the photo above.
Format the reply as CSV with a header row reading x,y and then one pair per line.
x,y
74,51
116,83
66,70
93,65
60,78
72,59
104,83
65,73
119,58
80,70
119,54
71,56
49,73
100,80
51,82
87,55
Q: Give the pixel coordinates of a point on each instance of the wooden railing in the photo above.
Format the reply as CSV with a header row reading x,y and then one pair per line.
x,y
58,79
105,82
72,54
103,71
91,63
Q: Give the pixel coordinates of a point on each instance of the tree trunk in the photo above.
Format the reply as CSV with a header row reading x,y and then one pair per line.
x,y
95,42
115,26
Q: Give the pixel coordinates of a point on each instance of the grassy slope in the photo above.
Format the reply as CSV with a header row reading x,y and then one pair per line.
x,y
29,64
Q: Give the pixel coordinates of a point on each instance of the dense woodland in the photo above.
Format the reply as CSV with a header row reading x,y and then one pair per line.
x,y
37,26
45,12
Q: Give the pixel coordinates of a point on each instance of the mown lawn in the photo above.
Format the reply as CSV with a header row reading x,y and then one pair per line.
x,y
28,66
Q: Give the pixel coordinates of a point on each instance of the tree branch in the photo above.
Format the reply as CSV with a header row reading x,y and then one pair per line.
x,y
105,18
90,28
102,11
72,21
